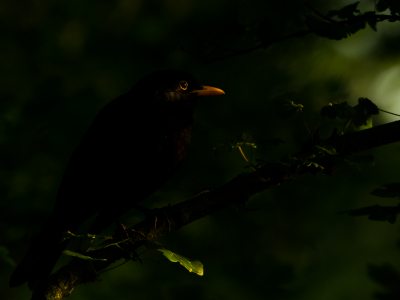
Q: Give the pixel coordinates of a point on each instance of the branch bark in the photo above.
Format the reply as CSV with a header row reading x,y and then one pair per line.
x,y
238,190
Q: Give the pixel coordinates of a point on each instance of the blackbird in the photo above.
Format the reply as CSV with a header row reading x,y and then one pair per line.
x,y
134,145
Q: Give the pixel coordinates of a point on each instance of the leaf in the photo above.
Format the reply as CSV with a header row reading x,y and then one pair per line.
x,y
221,149
367,106
338,110
376,213
194,266
381,6
371,21
75,254
333,31
328,111
347,12
367,124
328,149
358,160
241,140
285,107
390,190
394,6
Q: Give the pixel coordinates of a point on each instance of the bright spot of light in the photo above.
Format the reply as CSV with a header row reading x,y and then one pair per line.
x,y
385,91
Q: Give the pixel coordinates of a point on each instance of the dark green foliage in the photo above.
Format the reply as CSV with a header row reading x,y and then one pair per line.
x,y
333,30
376,213
120,47
360,114
241,140
393,5
327,149
285,107
358,160
370,19
322,28
390,190
364,109
81,256
194,266
338,110
381,6
352,20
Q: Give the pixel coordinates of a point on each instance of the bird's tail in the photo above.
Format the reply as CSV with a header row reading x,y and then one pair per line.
x,y
41,257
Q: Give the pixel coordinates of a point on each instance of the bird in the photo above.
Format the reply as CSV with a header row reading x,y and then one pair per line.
x,y
134,146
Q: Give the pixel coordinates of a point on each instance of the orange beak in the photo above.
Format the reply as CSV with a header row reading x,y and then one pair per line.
x,y
208,91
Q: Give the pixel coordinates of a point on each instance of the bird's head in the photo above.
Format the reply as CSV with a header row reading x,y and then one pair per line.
x,y
174,86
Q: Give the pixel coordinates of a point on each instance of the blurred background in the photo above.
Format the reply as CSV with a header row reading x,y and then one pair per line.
x,y
62,61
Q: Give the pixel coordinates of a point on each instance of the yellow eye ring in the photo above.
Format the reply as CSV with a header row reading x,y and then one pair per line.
x,y
184,85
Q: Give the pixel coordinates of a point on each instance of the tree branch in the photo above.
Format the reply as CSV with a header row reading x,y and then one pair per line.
x,y
238,190
300,33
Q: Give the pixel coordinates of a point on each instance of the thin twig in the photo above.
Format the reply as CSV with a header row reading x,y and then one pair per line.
x,y
305,123
245,158
299,33
388,112
316,127
347,125
109,269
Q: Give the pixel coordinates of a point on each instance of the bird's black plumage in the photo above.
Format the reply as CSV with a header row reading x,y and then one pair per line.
x,y
134,145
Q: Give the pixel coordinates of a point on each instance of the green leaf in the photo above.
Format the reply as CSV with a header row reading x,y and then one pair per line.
x,y
381,6
372,21
328,111
376,213
285,107
358,160
333,31
390,190
75,254
338,110
328,149
394,6
222,149
241,140
367,106
367,124
194,266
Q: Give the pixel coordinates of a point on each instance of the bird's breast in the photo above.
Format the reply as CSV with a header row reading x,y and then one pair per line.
x,y
172,150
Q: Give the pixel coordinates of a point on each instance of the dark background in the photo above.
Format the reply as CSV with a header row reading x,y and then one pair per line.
x,y
62,61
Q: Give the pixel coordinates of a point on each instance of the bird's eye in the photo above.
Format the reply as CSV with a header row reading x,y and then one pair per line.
x,y
184,85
